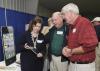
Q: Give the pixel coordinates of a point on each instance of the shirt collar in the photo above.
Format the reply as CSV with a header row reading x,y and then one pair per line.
x,y
61,27
75,22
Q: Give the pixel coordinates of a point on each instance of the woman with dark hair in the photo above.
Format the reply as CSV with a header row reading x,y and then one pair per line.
x,y
33,47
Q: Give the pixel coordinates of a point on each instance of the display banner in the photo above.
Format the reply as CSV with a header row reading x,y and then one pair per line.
x,y
7,34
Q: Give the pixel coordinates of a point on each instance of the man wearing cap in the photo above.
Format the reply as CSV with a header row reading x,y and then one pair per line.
x,y
96,23
82,40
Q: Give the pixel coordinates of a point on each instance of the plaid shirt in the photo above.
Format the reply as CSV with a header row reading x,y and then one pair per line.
x,y
82,33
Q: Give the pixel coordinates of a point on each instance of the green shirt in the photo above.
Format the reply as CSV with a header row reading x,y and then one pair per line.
x,y
57,42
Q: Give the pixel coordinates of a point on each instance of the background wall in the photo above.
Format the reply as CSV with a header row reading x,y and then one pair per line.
x,y
42,11
27,6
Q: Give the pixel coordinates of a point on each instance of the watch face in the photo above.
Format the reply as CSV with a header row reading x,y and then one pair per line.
x,y
8,44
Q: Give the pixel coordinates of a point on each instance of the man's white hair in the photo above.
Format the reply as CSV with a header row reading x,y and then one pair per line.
x,y
57,14
71,7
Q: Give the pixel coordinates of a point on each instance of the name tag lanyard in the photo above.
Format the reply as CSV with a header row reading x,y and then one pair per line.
x,y
34,41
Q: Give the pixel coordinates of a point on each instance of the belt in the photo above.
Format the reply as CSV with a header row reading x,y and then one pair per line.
x,y
86,62
56,55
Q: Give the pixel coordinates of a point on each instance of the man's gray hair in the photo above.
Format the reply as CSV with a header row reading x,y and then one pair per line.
x,y
71,7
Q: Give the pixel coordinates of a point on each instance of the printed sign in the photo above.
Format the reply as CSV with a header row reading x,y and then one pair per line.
x,y
8,44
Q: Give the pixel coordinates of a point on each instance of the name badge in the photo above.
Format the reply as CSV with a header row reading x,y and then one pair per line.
x,y
39,41
74,30
60,32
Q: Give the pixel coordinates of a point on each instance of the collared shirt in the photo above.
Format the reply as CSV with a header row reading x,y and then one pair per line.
x,y
82,33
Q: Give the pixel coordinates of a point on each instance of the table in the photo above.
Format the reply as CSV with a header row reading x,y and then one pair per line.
x,y
13,67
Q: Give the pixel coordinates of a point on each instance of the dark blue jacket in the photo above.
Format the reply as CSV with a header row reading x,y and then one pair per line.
x,y
29,60
97,28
